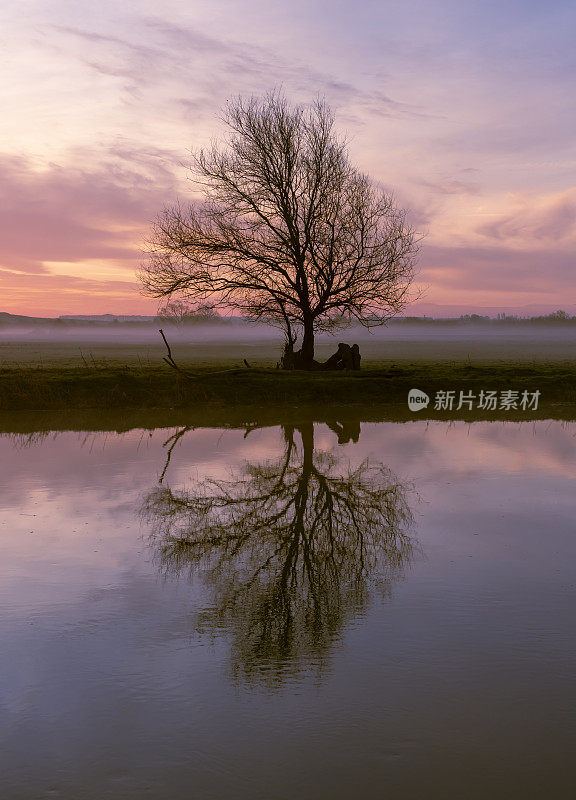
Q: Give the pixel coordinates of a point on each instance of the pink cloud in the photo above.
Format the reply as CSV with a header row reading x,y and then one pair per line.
x,y
100,214
551,219
498,269
53,295
451,186
74,214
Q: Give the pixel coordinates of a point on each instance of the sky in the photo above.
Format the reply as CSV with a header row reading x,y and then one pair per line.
x,y
465,110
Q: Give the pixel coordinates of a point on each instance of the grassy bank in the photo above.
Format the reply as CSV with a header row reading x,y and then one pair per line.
x,y
112,387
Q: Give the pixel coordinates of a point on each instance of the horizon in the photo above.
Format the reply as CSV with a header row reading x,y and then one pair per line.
x,y
418,311
442,104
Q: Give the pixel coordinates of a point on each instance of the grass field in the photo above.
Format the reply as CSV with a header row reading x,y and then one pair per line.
x,y
51,375
162,388
210,349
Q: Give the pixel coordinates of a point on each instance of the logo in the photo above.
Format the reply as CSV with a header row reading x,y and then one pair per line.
x,y
417,400
485,400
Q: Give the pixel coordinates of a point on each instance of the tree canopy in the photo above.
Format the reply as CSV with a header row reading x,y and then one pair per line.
x,y
288,230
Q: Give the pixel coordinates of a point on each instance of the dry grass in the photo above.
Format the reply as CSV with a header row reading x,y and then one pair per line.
x,y
103,386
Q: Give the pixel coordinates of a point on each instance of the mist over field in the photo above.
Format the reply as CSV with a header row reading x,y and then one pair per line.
x,y
262,344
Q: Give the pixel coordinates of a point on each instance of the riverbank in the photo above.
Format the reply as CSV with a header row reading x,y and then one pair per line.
x,y
212,388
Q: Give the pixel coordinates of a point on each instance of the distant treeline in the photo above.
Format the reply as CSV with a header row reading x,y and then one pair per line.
x,y
555,318
108,321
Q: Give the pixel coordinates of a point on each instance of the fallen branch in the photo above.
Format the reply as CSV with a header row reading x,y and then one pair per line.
x,y
171,363
173,441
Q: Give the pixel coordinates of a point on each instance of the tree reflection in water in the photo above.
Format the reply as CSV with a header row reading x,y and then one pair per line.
x,y
291,549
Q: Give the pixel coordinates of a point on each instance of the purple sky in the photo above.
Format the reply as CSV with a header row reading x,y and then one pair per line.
x,y
465,109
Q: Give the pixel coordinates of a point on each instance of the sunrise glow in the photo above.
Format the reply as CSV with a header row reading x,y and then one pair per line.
x,y
464,109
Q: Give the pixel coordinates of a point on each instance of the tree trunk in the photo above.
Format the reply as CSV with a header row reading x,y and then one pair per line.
x,y
303,358
288,356
307,433
307,350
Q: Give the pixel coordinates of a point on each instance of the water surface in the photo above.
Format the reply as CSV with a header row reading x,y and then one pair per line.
x,y
306,611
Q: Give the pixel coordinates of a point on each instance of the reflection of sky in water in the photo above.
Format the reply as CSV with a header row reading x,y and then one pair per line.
x,y
462,680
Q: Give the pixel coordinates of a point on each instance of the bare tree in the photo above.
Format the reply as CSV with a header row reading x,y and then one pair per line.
x,y
179,312
288,231
174,311
291,548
